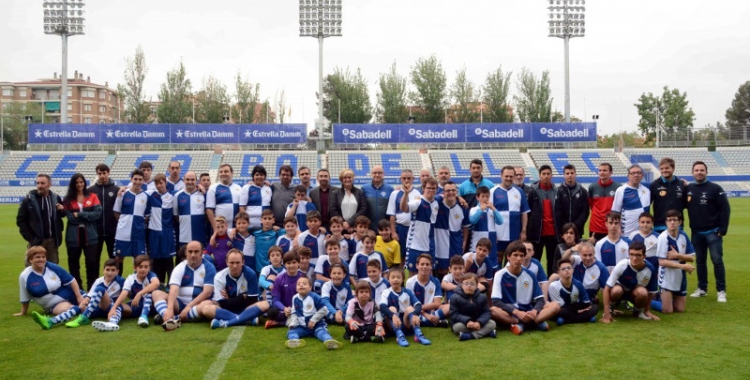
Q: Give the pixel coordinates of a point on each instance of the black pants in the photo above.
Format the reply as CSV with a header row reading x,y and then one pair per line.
x,y
548,244
364,332
110,242
163,268
91,259
570,314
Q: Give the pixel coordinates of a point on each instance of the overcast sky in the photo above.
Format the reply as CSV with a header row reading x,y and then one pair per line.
x,y
631,47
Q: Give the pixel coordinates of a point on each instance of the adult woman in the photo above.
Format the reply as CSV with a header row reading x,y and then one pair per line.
x,y
83,211
51,287
348,201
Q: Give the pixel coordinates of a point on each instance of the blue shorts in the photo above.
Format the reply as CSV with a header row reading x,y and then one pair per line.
x,y
403,233
161,244
411,259
130,248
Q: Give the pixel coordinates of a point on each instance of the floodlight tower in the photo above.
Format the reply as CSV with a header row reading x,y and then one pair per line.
x,y
320,19
64,18
566,20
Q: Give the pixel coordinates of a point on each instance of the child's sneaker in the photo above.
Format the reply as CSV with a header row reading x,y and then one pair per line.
x,y
465,336
158,319
44,321
493,334
560,321
401,339
171,324
442,323
271,324
353,339
105,326
82,320
516,328
420,338
143,321
295,343
332,344
218,324
543,327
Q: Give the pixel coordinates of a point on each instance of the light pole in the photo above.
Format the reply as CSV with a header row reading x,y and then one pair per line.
x,y
566,20
65,18
320,19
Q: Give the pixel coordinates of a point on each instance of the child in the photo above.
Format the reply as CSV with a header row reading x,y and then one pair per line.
x,y
265,237
364,322
300,207
347,246
326,262
243,239
427,290
613,248
269,273
452,280
673,250
633,279
361,228
312,238
477,263
483,218
97,301
375,278
304,263
402,309
219,244
161,236
337,292
306,318
385,244
470,312
283,290
358,265
648,236
138,286
569,293
289,240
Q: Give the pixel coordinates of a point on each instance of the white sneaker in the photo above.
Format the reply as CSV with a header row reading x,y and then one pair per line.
x,y
105,326
721,296
698,293
143,322
642,315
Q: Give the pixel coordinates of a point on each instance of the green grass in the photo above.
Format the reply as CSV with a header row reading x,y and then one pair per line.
x,y
709,341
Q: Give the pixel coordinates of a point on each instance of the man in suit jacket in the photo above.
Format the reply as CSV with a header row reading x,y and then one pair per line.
x,y
321,196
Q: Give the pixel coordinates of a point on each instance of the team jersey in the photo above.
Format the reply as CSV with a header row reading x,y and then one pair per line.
x,y
485,225
309,272
347,248
303,207
610,253
190,208
421,236
575,294
358,265
593,277
305,307
400,300
449,231
285,243
161,211
133,209
673,279
255,199
267,271
521,291
220,251
316,243
323,266
173,187
377,288
113,289
629,278
631,202
245,284
246,244
46,289
192,280
264,240
148,186
134,286
337,296
394,206
536,268
391,251
511,204
425,293
448,278
650,242
479,269
224,200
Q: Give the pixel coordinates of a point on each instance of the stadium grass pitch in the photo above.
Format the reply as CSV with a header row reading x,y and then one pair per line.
x,y
708,341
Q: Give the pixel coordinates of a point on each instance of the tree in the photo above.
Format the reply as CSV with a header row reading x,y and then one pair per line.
x,y
15,135
212,102
391,98
670,112
266,116
346,98
496,90
136,108
247,96
281,106
174,96
534,100
738,115
465,98
428,78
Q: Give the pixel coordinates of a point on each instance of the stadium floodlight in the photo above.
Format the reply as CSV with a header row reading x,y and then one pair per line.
x,y
320,19
64,18
567,20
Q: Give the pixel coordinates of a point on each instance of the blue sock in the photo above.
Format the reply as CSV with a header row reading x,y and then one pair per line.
x,y
95,300
224,314
656,305
440,314
398,332
118,315
417,331
246,316
72,312
161,307
146,306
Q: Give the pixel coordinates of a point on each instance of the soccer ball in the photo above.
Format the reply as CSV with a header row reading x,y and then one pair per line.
x,y
171,324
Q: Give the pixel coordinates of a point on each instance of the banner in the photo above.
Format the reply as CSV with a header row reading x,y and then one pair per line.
x,y
273,133
131,133
63,134
366,133
433,133
497,132
563,132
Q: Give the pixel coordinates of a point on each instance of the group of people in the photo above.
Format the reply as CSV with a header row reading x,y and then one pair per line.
x,y
304,256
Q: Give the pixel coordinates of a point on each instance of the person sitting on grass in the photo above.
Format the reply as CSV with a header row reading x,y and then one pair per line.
x,y
364,322
569,293
307,318
97,302
429,293
284,288
402,309
633,279
138,286
49,286
587,269
453,280
337,292
470,312
269,273
517,299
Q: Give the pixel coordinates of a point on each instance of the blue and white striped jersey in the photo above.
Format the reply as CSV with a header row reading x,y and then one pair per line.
x,y
425,293
190,208
246,283
224,200
511,204
133,209
628,277
192,280
521,291
255,199
611,252
576,293
46,289
421,236
630,203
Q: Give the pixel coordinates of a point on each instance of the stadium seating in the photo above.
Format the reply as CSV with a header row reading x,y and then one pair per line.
x,y
586,161
243,162
125,162
737,158
683,157
59,165
361,163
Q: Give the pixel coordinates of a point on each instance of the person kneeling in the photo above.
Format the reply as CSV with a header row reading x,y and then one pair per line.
x,y
569,293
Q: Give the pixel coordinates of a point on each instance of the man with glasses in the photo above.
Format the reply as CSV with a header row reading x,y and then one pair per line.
x,y
519,179
377,193
569,293
400,220
421,236
631,200
633,279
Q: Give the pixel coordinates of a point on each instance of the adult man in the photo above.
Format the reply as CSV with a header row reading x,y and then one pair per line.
x,y
468,189
631,200
424,174
541,226
174,182
451,228
571,202
304,178
147,168
421,235
636,280
39,218
321,195
377,193
588,270
189,208
513,206
443,176
708,210
283,194
255,196
601,196
106,190
519,179
400,220
667,193
204,181
223,198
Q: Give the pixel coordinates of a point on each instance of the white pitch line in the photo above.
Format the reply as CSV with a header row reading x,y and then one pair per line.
x,y
226,352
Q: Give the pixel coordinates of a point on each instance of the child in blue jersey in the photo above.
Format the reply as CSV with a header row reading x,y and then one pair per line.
x,y
470,312
300,207
284,287
517,299
364,322
306,318
358,265
288,241
429,293
305,257
265,237
452,280
313,239
632,279
476,262
647,235
220,244
483,218
337,292
569,293
361,228
269,273
402,309
613,248
326,262
347,246
161,234
674,252
131,209
138,286
97,301
378,284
